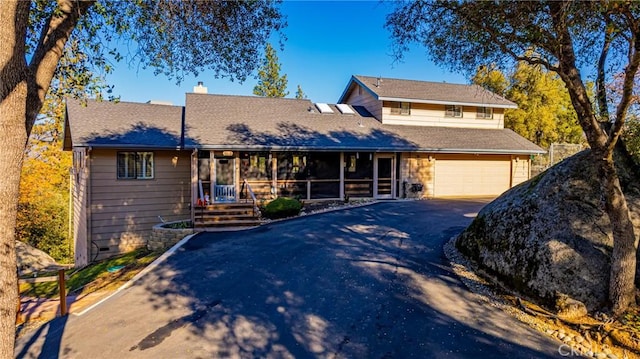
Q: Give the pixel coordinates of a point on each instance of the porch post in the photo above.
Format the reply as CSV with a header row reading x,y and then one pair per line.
x,y
375,175
342,176
212,176
237,162
194,183
274,174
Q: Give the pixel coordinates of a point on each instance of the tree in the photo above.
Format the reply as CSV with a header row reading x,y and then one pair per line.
x,y
492,79
174,37
563,37
544,114
300,94
270,83
632,139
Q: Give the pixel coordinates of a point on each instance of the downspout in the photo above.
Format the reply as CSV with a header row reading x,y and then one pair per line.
x,y
70,212
87,159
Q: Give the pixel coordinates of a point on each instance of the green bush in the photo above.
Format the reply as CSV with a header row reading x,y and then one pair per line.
x,y
282,207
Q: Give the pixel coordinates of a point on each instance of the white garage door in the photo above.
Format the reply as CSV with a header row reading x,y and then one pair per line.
x,y
478,177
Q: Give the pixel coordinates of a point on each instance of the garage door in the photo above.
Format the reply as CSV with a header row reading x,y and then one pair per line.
x,y
472,177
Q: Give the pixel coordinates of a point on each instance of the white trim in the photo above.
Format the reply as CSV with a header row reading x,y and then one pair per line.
x,y
375,175
438,102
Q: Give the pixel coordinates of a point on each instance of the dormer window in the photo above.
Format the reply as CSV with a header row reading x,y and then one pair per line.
x,y
453,111
401,108
484,113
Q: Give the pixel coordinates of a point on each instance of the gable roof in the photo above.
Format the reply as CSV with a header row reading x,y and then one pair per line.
x,y
122,124
247,122
388,89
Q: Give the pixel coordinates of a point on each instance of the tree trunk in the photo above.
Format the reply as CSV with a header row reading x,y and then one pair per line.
x,y
13,94
623,258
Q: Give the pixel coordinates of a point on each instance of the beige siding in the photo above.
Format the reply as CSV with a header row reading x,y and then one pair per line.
x,y
123,211
434,115
80,202
416,168
470,175
360,97
520,169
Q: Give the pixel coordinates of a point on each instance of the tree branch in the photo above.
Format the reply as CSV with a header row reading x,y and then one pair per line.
x,y
601,92
627,87
48,53
570,74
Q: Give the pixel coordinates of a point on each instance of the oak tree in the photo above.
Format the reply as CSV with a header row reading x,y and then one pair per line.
x,y
173,37
564,37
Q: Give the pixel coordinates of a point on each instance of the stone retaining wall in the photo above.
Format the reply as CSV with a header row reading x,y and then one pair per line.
x,y
162,238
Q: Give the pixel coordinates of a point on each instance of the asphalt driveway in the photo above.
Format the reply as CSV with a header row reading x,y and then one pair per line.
x,y
369,282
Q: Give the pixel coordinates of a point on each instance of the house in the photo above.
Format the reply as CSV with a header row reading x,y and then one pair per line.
x,y
138,163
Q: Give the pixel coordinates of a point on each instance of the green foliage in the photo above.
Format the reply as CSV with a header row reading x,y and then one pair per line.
x,y
492,79
175,37
96,276
544,114
282,207
632,138
300,95
179,225
270,83
43,207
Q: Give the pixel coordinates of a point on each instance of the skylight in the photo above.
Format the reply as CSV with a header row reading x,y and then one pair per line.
x,y
324,108
345,109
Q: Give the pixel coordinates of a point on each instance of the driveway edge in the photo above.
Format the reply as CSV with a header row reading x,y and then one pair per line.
x,y
140,274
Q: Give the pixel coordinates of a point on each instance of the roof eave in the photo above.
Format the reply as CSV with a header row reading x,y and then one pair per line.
x,y
127,146
439,102
369,149
355,80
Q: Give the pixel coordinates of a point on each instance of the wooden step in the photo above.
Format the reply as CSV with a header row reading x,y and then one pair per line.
x,y
219,218
233,223
230,214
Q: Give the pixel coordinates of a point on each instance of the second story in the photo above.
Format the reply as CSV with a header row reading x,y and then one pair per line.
x,y
423,103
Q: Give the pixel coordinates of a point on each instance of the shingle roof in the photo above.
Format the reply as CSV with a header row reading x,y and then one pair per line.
x,y
243,122
427,92
248,122
122,124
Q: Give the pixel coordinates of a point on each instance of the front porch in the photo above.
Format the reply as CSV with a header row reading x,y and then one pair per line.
x,y
221,179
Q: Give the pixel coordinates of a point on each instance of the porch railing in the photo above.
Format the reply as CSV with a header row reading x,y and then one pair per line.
x,y
247,190
225,193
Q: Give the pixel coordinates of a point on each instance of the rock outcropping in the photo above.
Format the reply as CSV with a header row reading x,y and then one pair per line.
x,y
31,259
550,236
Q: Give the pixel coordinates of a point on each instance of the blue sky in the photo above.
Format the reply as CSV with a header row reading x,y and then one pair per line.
x,y
327,42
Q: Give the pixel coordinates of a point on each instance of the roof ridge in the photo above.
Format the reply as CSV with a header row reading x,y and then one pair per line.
x,y
413,80
248,97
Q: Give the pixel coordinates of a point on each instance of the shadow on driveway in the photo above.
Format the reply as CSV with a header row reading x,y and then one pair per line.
x,y
369,282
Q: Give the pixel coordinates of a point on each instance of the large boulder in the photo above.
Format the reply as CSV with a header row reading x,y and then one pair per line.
x,y
31,260
550,237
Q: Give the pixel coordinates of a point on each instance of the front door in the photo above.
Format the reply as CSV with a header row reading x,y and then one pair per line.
x,y
225,189
384,176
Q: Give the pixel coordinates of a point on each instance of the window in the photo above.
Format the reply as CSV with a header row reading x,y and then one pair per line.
x,y
401,108
453,111
484,112
255,166
135,165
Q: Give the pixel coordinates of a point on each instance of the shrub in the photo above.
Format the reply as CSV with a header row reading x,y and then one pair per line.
x,y
179,225
282,207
